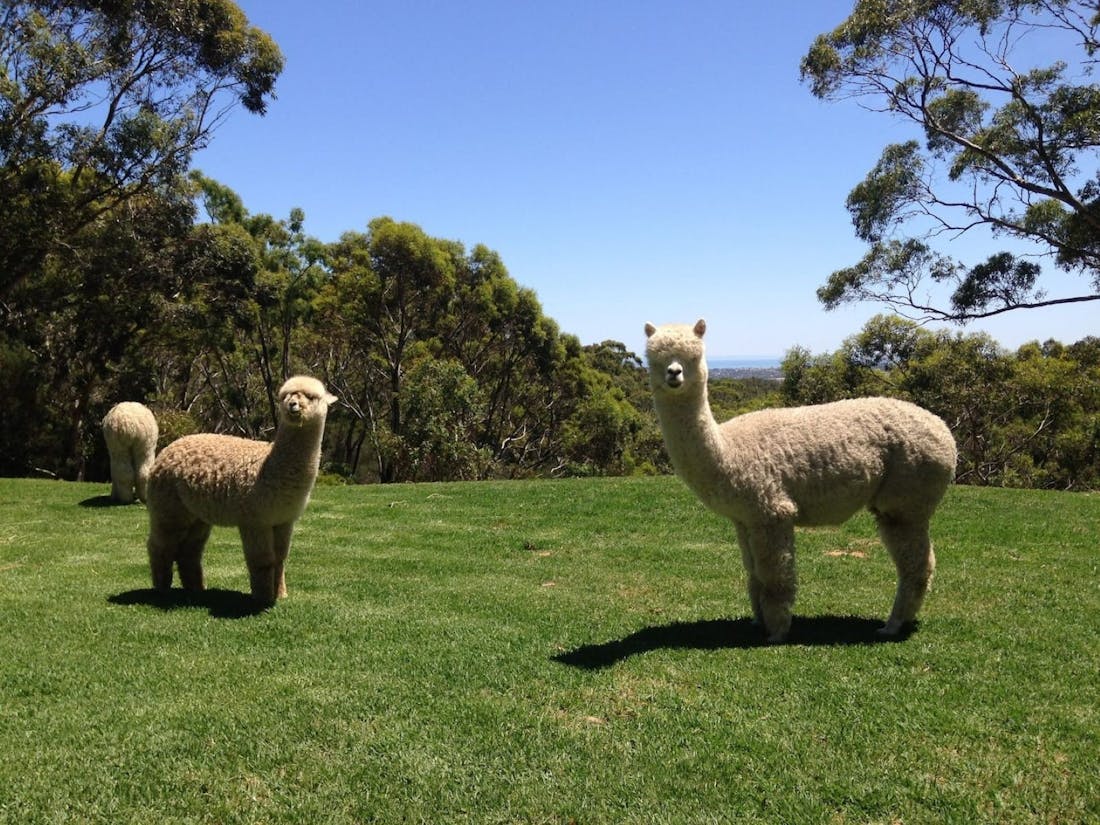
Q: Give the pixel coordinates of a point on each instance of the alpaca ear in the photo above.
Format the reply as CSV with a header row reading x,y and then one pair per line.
x,y
649,330
330,398
700,327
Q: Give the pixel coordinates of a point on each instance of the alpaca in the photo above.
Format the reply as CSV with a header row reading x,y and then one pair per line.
x,y
770,470
130,430
261,488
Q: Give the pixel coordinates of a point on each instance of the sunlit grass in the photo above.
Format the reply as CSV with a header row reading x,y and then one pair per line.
x,y
545,652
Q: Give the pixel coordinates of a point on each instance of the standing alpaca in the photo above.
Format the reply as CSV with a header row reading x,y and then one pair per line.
x,y
770,470
130,431
261,488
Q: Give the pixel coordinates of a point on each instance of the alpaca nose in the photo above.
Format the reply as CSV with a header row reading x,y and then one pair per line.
x,y
674,375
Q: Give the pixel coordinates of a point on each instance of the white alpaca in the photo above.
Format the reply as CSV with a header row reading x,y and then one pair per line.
x,y
770,470
130,430
261,488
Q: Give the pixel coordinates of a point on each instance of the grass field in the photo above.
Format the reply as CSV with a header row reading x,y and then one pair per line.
x,y
548,651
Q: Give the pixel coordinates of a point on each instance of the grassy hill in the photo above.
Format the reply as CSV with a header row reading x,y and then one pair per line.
x,y
546,651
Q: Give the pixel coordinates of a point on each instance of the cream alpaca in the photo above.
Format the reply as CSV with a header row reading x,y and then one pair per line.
x,y
261,488
130,430
770,470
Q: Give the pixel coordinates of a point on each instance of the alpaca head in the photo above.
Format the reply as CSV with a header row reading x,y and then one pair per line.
x,y
675,356
304,400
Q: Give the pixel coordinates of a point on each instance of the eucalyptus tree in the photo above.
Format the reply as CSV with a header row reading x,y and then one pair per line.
x,y
1003,93
389,289
72,336
245,295
101,108
1025,419
101,103
404,314
525,367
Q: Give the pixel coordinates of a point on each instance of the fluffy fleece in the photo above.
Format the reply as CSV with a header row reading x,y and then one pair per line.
x,y
130,430
770,470
261,488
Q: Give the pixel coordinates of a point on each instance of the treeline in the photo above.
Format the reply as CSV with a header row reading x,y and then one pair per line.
x,y
446,368
112,288
1025,419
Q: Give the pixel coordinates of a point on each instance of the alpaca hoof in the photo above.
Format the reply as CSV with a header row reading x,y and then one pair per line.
x,y
777,631
263,601
891,629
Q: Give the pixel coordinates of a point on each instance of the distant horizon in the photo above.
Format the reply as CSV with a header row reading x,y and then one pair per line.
x,y
732,362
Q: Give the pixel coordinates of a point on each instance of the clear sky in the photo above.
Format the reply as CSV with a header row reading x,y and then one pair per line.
x,y
630,160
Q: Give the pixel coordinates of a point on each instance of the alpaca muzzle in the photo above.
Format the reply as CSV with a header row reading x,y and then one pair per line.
x,y
294,411
674,376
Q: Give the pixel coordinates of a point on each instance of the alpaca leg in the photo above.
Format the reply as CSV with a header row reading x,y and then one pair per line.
x,y
752,583
282,534
189,556
911,549
122,479
162,555
259,555
772,548
141,483
141,479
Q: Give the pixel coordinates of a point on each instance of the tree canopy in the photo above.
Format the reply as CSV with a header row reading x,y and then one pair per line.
x,y
1002,92
1023,419
105,102
125,275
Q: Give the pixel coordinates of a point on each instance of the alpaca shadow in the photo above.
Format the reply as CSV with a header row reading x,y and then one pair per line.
x,y
104,500
222,604
729,634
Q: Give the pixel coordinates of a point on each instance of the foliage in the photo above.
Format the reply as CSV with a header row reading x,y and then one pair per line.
x,y
443,410
102,104
445,367
397,297
621,417
1006,148
101,108
548,651
1024,419
736,396
112,288
72,334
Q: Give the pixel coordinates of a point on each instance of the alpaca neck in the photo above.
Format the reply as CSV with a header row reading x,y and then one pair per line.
x,y
296,450
692,438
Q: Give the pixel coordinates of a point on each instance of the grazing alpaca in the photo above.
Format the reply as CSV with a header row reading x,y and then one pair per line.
x,y
770,470
130,431
261,488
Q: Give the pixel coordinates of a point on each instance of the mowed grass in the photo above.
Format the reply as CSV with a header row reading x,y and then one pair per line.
x,y
546,651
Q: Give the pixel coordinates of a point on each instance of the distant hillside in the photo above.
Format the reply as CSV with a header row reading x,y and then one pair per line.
x,y
763,373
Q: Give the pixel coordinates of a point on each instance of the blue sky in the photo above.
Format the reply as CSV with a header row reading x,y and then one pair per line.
x,y
630,161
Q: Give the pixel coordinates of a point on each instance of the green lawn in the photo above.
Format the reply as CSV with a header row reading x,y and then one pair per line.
x,y
546,651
